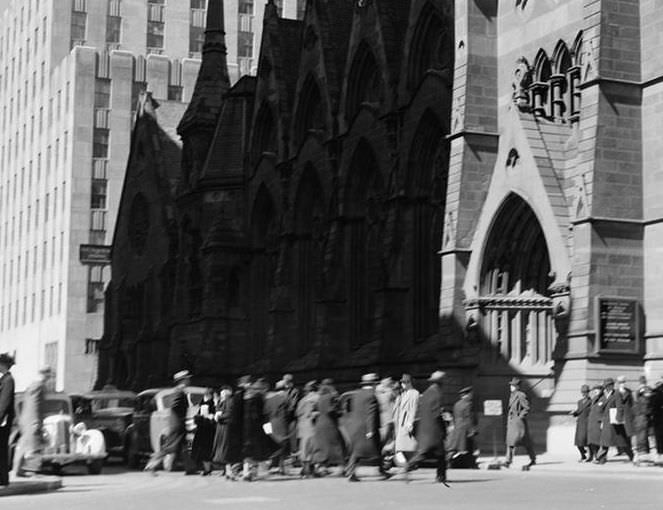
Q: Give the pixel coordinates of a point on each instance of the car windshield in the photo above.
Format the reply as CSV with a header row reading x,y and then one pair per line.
x,y
56,406
106,403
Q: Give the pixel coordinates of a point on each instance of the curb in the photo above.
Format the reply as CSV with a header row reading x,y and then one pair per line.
x,y
17,488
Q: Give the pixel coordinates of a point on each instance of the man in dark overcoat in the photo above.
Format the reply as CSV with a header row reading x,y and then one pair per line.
x,y
364,427
293,396
175,442
594,422
581,414
27,457
276,408
328,444
430,428
657,417
6,414
615,417
642,420
517,431
256,445
461,444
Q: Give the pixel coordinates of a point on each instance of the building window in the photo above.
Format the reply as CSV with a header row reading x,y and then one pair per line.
x,y
245,7
78,25
199,4
245,44
100,143
102,93
196,39
174,93
95,289
98,200
113,29
155,31
91,345
51,359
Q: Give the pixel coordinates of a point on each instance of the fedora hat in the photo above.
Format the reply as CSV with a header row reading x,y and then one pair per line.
x,y
369,378
6,359
514,381
436,376
182,374
608,381
465,390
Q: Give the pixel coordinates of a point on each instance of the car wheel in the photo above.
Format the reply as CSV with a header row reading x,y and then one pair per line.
x,y
94,467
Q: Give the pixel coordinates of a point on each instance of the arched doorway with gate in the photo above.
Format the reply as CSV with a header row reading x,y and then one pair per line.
x,y
514,303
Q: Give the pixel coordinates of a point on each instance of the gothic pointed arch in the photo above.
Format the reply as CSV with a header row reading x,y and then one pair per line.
x,y
264,246
431,46
542,67
364,199
576,49
365,83
515,278
427,184
310,206
264,132
561,58
310,110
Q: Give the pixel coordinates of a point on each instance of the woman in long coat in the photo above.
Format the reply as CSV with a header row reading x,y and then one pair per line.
x,y
594,420
256,445
221,436
203,440
405,413
229,451
305,414
328,444
581,414
517,431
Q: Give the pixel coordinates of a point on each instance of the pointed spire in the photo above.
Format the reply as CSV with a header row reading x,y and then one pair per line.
x,y
213,80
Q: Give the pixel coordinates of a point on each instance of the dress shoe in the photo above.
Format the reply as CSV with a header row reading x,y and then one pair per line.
x,y
353,478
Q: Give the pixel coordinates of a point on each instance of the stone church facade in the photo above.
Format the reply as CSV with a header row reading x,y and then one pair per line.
x,y
470,185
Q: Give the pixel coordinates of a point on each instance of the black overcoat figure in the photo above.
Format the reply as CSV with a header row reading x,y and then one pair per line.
x,y
329,447
581,413
256,445
7,415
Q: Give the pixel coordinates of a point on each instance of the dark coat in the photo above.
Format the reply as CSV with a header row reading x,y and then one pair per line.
x,y
277,409
465,426
582,416
7,412
594,419
364,417
642,417
228,438
177,428
608,435
517,431
256,445
203,441
328,444
431,430
624,405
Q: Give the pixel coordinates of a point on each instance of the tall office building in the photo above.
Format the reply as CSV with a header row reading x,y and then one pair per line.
x,y
70,74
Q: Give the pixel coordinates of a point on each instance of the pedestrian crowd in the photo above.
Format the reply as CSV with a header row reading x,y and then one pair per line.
x,y
629,420
382,423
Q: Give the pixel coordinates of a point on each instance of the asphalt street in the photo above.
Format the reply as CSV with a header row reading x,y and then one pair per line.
x,y
545,487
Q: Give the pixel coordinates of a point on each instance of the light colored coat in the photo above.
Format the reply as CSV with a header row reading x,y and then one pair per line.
x,y
405,412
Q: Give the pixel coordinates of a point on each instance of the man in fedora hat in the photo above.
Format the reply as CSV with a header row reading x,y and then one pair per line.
x,y
175,439
27,459
465,429
364,427
431,430
6,414
581,414
517,431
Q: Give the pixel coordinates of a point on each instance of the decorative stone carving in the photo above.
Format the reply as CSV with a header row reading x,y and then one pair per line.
x,y
560,293
588,63
458,115
520,82
581,200
512,159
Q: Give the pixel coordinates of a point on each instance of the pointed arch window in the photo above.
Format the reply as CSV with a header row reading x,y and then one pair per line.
x,y
559,85
365,84
310,114
308,255
264,135
264,242
427,188
431,47
364,202
541,87
574,79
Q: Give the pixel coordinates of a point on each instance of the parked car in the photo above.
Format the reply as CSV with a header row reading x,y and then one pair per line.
x,y
151,418
64,442
108,410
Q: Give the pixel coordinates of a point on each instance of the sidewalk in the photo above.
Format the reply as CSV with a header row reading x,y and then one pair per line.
x,y
39,485
552,463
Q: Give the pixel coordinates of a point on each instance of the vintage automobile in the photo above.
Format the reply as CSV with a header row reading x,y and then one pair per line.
x,y
108,410
151,419
64,442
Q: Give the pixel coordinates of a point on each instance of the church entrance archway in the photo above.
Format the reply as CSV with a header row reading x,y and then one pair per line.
x,y
515,308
